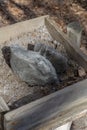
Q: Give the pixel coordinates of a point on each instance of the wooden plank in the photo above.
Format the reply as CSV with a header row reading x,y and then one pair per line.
x,y
51,111
74,32
71,48
11,31
3,106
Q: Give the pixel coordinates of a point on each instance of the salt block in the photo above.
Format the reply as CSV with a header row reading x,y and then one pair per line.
x,y
66,126
74,32
58,61
31,67
3,105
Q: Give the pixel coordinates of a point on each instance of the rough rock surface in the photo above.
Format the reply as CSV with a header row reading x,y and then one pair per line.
x,y
30,47
58,60
31,67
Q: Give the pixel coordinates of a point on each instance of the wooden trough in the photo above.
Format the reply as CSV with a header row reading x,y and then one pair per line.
x,y
55,109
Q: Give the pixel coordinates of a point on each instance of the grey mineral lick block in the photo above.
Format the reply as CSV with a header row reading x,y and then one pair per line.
x,y
3,105
57,59
31,67
74,31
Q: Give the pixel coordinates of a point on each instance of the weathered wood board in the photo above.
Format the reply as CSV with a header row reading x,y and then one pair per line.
x,y
17,29
74,32
72,49
51,111
3,108
3,105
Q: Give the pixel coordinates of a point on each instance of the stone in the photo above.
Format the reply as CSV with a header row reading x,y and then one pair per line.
x,y
31,67
58,60
74,32
41,48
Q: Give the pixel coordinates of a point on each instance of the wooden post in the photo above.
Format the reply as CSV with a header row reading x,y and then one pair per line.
x,y
74,32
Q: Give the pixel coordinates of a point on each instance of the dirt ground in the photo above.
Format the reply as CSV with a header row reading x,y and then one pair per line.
x,y
12,11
